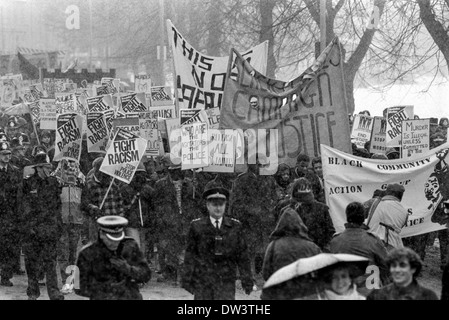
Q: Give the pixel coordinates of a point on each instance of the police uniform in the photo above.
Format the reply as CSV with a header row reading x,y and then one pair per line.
x,y
112,275
10,193
214,254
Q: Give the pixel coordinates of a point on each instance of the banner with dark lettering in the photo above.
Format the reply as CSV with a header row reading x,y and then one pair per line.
x,y
188,116
415,137
100,103
194,146
47,114
221,151
213,117
66,103
349,178
200,79
112,85
123,155
97,132
149,131
34,112
395,116
33,93
68,137
133,102
378,136
361,130
130,123
161,96
166,112
306,111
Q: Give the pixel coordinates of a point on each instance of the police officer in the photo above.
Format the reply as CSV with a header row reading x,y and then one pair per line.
x,y
10,191
112,267
215,249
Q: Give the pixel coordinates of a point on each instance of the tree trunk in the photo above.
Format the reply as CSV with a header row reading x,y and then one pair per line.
x,y
435,28
266,33
215,36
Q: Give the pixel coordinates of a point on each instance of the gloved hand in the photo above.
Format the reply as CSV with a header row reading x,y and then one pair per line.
x,y
121,265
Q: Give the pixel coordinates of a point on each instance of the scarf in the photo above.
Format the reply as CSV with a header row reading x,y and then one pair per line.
x,y
352,295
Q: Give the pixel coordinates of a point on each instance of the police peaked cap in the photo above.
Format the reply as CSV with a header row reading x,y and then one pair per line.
x,y
113,226
214,190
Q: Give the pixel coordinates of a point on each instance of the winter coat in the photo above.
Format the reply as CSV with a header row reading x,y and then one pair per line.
x,y
204,270
131,195
414,291
10,197
357,239
316,217
42,208
100,280
289,242
391,212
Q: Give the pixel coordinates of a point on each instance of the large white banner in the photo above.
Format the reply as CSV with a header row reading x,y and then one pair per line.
x,y
349,178
200,79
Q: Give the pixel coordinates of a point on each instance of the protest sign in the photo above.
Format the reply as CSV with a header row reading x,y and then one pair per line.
x,y
123,155
200,79
34,112
194,146
149,131
188,116
129,123
66,103
47,114
395,116
33,93
142,83
99,103
161,96
133,102
361,130
97,132
112,85
166,112
9,90
349,178
415,137
174,139
306,111
221,151
68,137
213,118
378,136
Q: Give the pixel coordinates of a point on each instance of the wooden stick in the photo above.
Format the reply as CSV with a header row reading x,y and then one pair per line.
x,y
106,195
140,211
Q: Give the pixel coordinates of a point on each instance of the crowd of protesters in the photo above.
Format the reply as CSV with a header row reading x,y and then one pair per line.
x,y
49,210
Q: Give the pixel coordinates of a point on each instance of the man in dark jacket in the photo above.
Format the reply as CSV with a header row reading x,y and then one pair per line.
x,y
176,202
112,267
10,191
42,223
357,239
216,247
314,214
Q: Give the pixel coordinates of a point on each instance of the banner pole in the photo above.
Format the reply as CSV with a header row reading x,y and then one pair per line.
x,y
106,195
140,211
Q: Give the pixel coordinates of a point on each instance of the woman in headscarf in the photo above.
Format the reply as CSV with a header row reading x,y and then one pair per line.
x,y
288,242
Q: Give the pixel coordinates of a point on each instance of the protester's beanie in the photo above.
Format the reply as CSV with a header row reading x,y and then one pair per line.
x,y
355,213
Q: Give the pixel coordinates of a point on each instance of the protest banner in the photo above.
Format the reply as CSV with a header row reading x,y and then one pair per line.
x,y
33,93
395,116
47,114
166,112
174,139
52,86
112,85
68,136
194,146
306,111
66,103
99,103
361,130
133,102
97,132
349,178
213,117
123,155
10,87
129,123
378,136
415,138
200,79
34,112
188,116
149,131
160,96
142,83
109,118
221,151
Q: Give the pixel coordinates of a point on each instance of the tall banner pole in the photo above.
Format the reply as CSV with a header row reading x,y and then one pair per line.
x,y
140,212
106,195
322,25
